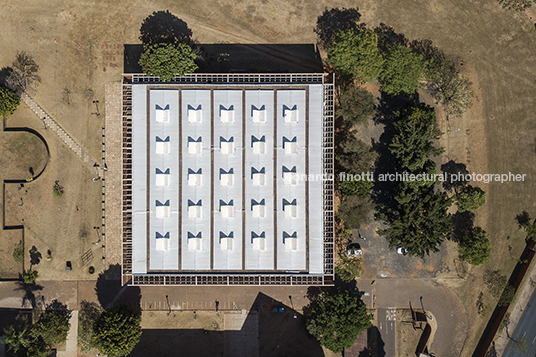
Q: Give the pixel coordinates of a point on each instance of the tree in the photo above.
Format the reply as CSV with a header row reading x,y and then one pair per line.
x,y
337,319
507,295
332,21
470,198
403,71
117,331
355,187
9,102
475,248
416,131
18,340
166,60
88,314
418,221
448,88
495,282
52,327
354,54
30,276
24,73
356,105
356,155
355,211
516,5
348,268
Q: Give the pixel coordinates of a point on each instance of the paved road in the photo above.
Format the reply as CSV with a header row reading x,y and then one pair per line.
x,y
440,301
526,327
387,327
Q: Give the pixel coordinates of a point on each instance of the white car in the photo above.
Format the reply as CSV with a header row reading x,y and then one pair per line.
x,y
401,250
354,250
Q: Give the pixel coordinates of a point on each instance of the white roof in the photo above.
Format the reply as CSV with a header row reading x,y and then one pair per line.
x,y
243,132
194,243
195,115
227,114
227,243
162,178
258,211
290,178
291,147
290,114
227,147
162,114
259,243
259,179
195,147
163,243
195,179
227,211
259,147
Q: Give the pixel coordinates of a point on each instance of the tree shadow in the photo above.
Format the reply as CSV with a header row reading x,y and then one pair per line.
x,y
375,342
523,219
332,21
5,72
462,224
35,256
31,296
388,37
455,175
110,292
427,50
163,26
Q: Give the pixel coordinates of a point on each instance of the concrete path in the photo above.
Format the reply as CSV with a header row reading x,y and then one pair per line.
x,y
51,124
71,348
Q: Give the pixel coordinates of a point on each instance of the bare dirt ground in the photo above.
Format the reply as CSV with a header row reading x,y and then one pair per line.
x,y
79,46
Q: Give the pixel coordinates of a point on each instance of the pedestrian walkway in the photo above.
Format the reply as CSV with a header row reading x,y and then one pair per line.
x,y
71,346
56,128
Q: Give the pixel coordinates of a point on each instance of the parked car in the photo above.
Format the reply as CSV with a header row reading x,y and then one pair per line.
x,y
402,250
354,249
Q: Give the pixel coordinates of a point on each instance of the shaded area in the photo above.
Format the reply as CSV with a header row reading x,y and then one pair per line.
x,y
32,298
110,292
332,21
269,328
164,26
494,322
523,219
455,174
462,224
35,256
243,58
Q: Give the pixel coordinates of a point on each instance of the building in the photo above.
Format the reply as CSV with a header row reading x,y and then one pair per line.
x,y
228,179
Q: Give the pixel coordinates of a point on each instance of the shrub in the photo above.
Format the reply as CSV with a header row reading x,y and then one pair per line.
x,y
9,102
18,252
166,60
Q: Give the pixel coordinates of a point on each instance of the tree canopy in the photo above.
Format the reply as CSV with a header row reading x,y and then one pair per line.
x,y
416,128
354,54
117,331
337,319
475,248
470,198
403,71
52,327
356,105
516,5
417,216
9,102
356,155
166,60
355,211
453,91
